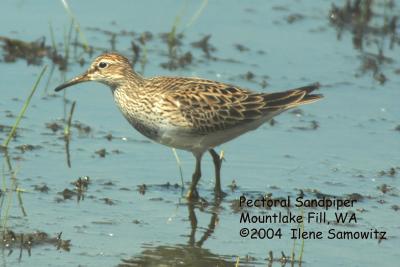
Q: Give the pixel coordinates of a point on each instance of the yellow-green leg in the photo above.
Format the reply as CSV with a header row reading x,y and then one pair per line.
x,y
193,194
217,164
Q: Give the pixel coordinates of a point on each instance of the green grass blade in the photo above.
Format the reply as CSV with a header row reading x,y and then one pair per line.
x,y
53,40
178,161
77,26
198,13
22,112
20,202
67,129
302,240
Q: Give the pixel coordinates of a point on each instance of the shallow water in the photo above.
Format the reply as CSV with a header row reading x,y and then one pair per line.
x,y
115,224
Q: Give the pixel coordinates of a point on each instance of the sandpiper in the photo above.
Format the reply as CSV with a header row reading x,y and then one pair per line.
x,y
192,114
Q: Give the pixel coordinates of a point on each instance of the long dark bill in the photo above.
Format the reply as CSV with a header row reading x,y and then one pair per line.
x,y
79,79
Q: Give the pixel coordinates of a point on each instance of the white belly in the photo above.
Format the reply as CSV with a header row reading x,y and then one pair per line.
x,y
200,143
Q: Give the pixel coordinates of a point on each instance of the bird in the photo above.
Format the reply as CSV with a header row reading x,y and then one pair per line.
x,y
189,113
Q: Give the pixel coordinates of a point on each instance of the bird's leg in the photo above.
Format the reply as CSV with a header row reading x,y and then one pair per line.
x,y
217,164
193,194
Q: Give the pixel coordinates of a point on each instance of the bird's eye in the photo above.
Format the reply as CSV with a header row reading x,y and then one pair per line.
x,y
103,65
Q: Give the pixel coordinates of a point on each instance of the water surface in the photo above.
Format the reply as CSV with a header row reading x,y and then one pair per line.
x,y
347,143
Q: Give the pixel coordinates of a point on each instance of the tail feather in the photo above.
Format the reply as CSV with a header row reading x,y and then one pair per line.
x,y
292,98
308,88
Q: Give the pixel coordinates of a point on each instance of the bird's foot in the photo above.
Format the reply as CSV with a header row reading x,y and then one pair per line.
x,y
219,193
192,194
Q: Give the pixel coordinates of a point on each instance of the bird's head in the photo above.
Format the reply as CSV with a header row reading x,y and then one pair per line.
x,y
111,69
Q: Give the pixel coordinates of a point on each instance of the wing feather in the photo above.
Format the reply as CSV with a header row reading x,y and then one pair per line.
x,y
208,106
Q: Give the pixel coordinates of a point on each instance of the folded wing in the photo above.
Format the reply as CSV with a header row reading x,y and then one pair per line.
x,y
208,106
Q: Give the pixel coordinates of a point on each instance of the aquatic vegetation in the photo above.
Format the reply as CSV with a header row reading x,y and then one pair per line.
x,y
372,26
24,108
252,45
